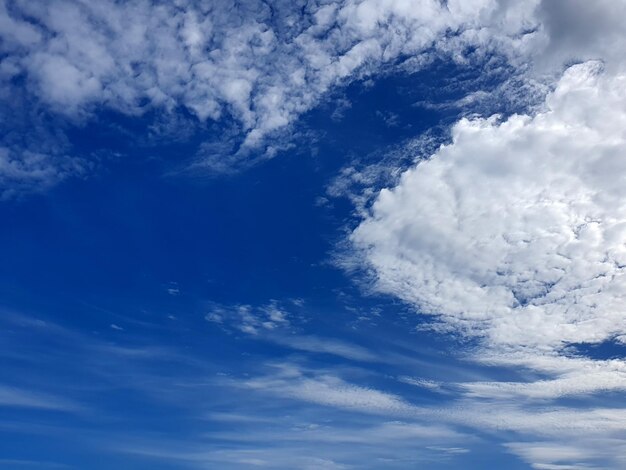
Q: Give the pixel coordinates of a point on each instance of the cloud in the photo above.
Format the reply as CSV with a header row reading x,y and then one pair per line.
x,y
575,31
512,234
541,455
568,376
324,389
335,347
513,231
254,67
392,444
273,323
249,319
26,171
428,384
20,398
261,67
173,289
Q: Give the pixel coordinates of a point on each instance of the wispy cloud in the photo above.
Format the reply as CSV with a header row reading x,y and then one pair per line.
x,y
21,398
247,318
321,345
290,381
510,235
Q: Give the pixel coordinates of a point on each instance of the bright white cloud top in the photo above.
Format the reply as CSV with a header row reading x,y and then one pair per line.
x,y
516,230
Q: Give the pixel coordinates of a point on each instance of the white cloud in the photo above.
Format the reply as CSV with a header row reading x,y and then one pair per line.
x,y
361,444
542,455
428,384
249,319
173,288
514,230
513,234
264,66
325,389
271,322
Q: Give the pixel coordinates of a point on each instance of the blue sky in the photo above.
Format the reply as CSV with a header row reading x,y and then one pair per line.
x,y
358,234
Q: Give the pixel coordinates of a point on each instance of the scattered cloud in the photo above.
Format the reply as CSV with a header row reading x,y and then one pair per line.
x,y
512,231
292,382
428,384
24,171
511,234
173,290
249,319
20,398
316,344
507,230
253,67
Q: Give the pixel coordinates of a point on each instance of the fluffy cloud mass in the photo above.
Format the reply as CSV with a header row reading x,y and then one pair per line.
x,y
516,229
514,234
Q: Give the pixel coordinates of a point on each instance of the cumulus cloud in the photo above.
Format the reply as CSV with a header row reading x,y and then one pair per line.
x,y
514,231
513,234
574,31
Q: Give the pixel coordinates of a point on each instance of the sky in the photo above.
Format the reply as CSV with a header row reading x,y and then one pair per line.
x,y
358,234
